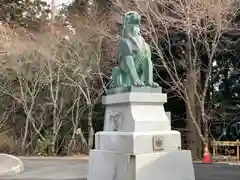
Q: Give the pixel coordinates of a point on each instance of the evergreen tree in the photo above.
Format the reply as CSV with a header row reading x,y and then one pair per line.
x,y
226,81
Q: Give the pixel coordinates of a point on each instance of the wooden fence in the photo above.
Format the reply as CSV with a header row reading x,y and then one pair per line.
x,y
217,144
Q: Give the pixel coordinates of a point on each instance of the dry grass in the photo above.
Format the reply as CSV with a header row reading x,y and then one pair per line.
x,y
7,144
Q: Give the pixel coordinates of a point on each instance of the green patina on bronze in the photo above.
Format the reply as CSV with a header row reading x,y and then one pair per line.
x,y
135,66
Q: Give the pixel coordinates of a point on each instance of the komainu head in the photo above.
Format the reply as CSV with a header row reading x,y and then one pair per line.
x,y
132,18
131,23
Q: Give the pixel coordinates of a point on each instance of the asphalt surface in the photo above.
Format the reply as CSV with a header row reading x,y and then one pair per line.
x,y
217,172
76,169
51,169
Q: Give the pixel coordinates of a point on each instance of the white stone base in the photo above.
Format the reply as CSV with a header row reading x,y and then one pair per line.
x,y
107,165
137,142
136,112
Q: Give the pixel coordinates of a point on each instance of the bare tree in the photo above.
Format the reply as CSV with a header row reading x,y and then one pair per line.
x,y
54,76
201,24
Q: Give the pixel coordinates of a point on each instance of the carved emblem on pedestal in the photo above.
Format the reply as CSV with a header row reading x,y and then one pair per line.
x,y
158,143
115,120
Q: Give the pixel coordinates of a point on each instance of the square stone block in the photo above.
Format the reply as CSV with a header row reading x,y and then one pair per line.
x,y
135,97
107,165
136,118
138,142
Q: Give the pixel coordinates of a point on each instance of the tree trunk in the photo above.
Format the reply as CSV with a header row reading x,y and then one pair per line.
x,y
199,141
193,114
193,138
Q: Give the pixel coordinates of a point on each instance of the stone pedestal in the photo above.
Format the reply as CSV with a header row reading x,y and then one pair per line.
x,y
137,142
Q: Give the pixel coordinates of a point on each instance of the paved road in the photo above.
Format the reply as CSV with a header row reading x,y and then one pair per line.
x,y
75,169
217,172
51,169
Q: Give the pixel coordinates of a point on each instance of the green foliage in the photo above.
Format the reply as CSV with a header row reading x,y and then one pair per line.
x,y
43,146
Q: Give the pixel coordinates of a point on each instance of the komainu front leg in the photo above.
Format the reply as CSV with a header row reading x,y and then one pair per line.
x,y
117,79
129,66
147,68
120,78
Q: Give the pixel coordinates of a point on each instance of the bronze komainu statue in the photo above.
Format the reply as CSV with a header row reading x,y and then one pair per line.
x,y
134,56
